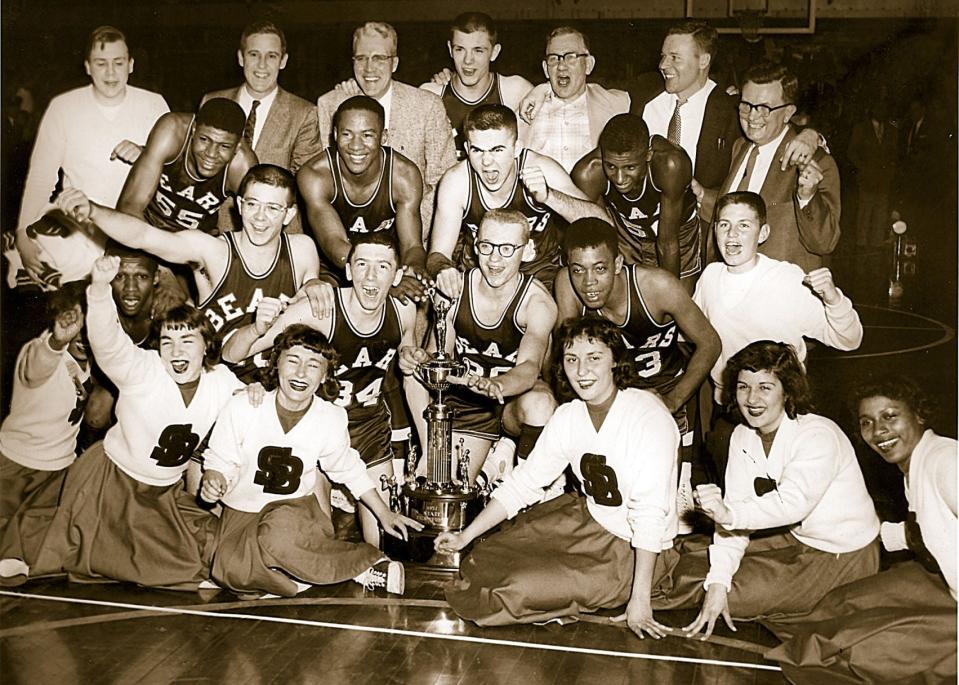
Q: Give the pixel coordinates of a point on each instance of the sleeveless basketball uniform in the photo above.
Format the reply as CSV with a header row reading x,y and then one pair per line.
x,y
654,346
376,214
457,107
366,361
545,227
637,222
183,201
486,351
232,302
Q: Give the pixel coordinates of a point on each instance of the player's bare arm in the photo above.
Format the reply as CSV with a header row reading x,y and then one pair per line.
x,y
588,175
163,145
560,193
183,247
239,165
447,221
407,196
315,182
249,339
568,304
669,299
671,172
513,89
537,315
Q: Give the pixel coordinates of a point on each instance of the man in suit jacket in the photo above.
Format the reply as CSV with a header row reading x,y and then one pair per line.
x,y
802,201
569,120
281,127
707,114
708,123
416,123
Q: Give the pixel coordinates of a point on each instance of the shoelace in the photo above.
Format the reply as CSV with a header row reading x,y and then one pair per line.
x,y
373,579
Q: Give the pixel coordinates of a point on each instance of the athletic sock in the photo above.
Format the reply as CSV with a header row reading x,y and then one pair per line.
x,y
528,436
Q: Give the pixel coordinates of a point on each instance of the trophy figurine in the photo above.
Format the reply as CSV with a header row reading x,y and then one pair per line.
x,y
444,500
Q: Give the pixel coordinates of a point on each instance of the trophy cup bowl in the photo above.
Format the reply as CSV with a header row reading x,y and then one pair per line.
x,y
436,373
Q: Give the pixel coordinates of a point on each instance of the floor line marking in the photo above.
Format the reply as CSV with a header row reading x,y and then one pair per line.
x,y
947,334
43,626
396,631
99,619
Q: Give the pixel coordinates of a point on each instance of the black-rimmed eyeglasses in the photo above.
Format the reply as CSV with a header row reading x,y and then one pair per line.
x,y
746,108
507,250
553,58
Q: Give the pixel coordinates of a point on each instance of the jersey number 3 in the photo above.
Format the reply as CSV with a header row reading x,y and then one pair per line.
x,y
599,480
279,471
175,446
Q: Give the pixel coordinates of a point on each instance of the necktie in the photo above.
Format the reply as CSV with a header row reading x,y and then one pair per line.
x,y
750,164
675,131
250,126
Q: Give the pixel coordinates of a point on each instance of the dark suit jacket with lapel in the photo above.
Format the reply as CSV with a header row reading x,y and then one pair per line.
x,y
290,136
418,129
797,235
719,131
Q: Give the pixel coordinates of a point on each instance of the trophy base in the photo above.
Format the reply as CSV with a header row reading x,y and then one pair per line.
x,y
441,509
419,551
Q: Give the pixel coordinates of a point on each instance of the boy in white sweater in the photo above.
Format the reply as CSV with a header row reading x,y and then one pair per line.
x,y
93,134
749,297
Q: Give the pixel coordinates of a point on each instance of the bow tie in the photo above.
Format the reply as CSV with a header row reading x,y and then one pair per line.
x,y
763,485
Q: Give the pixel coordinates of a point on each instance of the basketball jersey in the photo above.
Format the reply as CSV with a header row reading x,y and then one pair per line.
x,y
457,107
365,361
488,350
637,223
657,356
232,302
376,214
544,224
182,201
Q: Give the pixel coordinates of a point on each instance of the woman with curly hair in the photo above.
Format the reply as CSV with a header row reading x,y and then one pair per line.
x,y
899,625
263,462
795,520
578,554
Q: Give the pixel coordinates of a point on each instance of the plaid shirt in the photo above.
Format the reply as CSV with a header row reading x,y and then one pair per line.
x,y
561,130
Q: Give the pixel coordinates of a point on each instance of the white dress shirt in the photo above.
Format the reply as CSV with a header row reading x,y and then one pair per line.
x,y
262,111
659,111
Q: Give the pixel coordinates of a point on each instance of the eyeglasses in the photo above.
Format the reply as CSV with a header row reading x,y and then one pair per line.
x,y
552,58
746,108
377,60
271,209
507,250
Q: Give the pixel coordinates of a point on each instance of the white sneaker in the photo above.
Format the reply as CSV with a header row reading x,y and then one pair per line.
x,y
386,574
13,567
684,499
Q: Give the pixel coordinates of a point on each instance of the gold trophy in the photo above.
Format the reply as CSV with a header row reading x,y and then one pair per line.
x,y
444,500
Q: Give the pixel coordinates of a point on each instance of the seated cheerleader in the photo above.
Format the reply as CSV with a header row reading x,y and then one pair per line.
x,y
579,554
123,513
796,519
51,383
900,625
262,463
